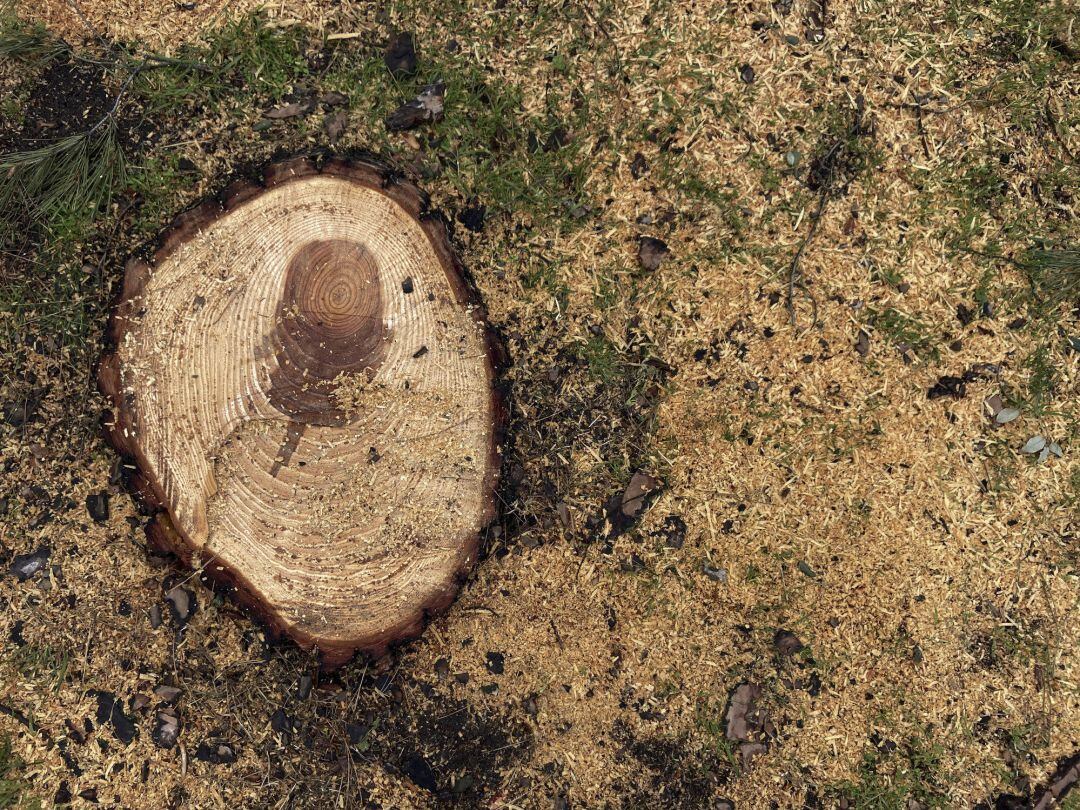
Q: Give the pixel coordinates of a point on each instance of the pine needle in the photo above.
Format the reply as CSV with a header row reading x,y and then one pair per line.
x,y
1055,275
71,174
23,40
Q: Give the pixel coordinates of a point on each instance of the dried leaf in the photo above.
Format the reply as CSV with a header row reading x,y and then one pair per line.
x,y
862,343
1033,445
652,253
335,124
290,110
334,99
1006,415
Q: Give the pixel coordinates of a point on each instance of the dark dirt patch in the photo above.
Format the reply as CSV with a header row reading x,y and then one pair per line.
x,y
448,747
67,98
672,774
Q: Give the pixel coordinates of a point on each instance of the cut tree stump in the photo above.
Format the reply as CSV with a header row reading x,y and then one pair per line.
x,y
305,387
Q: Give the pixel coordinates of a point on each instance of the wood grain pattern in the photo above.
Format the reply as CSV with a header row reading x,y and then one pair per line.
x,y
307,388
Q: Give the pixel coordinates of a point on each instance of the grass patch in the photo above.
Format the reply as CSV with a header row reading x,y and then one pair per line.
x,y
906,332
242,59
43,663
66,181
1055,278
12,785
24,40
890,777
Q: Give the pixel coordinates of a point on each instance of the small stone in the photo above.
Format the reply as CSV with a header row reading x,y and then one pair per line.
x,y
182,605
472,217
97,506
215,752
862,343
787,643
407,285
303,691
167,694
442,668
746,73
716,574
166,730
400,54
495,663
652,253
155,616
417,769
633,499
743,719
24,566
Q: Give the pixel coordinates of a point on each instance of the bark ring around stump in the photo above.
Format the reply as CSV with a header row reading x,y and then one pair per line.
x,y
306,388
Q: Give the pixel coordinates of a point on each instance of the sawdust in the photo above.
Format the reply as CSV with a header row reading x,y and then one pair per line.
x,y
930,570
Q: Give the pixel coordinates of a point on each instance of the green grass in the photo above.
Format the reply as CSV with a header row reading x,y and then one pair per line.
x,y
13,787
603,360
903,329
487,146
25,40
1054,277
43,663
243,59
1039,375
888,780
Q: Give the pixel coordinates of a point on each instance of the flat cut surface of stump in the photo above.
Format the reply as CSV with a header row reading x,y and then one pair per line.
x,y
307,391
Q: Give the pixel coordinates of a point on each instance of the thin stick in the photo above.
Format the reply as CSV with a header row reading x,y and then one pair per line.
x,y
829,163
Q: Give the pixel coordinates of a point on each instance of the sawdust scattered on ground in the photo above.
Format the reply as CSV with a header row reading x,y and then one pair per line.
x,y
811,489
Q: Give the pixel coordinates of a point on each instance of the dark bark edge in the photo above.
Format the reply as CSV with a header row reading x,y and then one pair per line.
x,y
162,530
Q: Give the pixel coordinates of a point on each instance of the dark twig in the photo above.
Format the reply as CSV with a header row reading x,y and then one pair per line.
x,y
829,165
795,281
919,124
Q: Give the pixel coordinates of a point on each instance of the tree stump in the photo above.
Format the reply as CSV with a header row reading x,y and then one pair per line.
x,y
305,388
